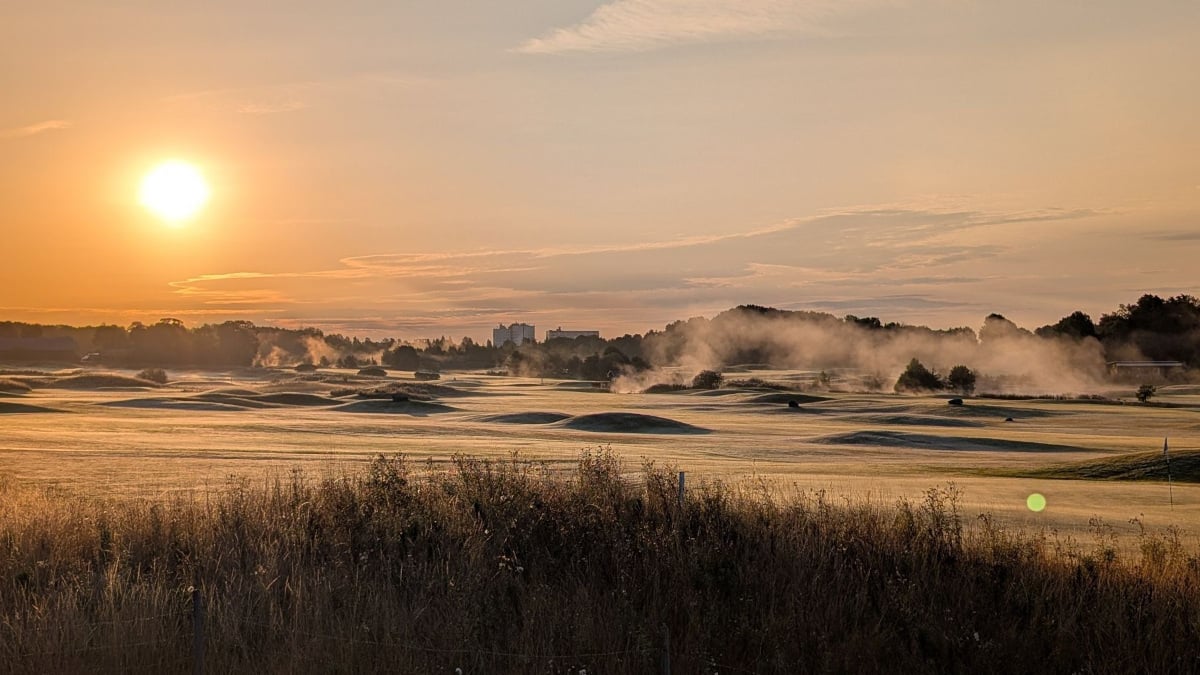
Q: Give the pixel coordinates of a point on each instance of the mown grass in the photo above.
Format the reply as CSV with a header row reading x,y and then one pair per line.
x,y
511,567
1184,468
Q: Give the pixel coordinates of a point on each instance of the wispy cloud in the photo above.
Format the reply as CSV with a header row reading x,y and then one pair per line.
x,y
873,259
35,129
290,96
1190,235
641,25
261,108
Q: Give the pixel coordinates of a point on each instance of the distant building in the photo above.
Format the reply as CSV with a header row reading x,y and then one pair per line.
x,y
516,333
570,334
1161,368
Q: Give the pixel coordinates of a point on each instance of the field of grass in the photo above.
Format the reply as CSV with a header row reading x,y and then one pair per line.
x,y
848,532
509,566
109,434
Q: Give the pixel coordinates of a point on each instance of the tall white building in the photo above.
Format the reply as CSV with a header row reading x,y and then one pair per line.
x,y
516,333
570,334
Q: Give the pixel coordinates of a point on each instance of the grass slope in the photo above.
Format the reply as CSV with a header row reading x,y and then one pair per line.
x,y
1185,468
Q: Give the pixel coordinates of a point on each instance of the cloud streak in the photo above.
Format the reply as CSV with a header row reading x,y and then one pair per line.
x,y
642,25
35,129
874,260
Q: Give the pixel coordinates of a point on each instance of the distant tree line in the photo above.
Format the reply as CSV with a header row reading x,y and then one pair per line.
x,y
1153,327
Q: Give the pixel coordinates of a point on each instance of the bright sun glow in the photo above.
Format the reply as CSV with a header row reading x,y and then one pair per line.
x,y
175,191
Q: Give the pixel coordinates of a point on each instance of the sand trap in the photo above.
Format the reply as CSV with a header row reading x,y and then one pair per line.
x,y
900,439
7,408
630,423
415,408
525,418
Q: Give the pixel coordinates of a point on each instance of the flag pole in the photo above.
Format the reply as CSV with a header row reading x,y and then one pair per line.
x,y
1170,485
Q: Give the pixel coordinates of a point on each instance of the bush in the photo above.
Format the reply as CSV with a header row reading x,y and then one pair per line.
x,y
154,375
707,379
961,379
916,377
1146,392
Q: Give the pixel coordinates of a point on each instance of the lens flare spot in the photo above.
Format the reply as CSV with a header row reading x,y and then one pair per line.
x,y
1036,502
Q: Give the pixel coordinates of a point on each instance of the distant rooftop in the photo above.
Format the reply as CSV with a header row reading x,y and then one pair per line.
x,y
1145,364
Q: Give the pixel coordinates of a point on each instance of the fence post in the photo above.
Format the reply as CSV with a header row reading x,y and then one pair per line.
x,y
682,477
197,632
665,661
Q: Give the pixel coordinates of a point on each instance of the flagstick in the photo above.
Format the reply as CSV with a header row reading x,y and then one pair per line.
x,y
1170,485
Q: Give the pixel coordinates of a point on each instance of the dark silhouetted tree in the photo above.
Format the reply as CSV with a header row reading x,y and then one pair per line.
x,y
916,377
962,380
1076,325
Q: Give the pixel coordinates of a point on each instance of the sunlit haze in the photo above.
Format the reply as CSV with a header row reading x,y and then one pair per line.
x,y
420,169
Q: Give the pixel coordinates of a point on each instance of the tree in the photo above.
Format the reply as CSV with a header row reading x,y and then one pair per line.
x,y
962,379
1076,325
1146,392
916,377
997,327
404,357
707,379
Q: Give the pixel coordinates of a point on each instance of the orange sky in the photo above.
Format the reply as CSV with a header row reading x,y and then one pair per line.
x,y
415,171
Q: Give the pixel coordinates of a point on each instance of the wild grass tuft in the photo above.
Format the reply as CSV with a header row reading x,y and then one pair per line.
x,y
512,566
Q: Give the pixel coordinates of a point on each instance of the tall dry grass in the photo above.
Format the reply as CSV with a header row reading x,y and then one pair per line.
x,y
511,567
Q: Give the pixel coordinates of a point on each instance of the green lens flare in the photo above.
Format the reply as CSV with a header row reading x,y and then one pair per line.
x,y
1035,502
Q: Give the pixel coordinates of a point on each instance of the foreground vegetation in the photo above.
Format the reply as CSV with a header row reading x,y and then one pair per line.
x,y
514,567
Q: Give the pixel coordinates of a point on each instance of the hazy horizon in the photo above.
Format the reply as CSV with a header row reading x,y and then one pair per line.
x,y
417,171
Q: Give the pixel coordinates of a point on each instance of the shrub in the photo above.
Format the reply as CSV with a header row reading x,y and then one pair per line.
x,y
154,375
707,379
1146,392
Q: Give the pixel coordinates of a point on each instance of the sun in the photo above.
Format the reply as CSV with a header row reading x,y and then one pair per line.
x,y
174,191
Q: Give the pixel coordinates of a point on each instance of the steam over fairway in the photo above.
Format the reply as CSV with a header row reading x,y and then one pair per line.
x,y
202,427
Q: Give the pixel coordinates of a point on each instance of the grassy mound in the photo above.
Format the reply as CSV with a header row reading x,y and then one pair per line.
x,y
414,408
915,420
11,386
503,568
171,403
91,381
902,439
291,398
1185,468
418,391
7,408
630,423
785,397
525,418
